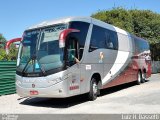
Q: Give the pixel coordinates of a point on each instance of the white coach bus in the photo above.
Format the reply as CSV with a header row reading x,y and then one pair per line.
x,y
78,55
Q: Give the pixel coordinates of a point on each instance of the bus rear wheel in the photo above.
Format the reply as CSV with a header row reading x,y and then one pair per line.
x,y
139,78
143,77
92,95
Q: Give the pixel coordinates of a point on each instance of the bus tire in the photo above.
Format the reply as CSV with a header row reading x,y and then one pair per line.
x,y
143,77
99,88
92,95
139,78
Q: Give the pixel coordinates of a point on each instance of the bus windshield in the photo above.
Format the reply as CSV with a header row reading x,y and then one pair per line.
x,y
40,51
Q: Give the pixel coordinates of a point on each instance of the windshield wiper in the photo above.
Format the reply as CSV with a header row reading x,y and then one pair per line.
x,y
42,68
34,58
23,71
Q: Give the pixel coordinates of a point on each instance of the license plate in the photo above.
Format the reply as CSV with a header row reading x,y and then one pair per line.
x,y
33,92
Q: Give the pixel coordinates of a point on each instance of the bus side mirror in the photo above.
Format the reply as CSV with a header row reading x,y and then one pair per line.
x,y
10,42
63,36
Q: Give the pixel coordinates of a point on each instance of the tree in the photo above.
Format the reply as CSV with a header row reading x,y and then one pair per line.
x,y
13,51
2,41
117,16
142,23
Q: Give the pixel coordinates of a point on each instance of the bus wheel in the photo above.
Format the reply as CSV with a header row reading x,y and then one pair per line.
x,y
93,90
139,80
143,77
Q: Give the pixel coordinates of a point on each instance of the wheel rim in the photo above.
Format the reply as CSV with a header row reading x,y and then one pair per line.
x,y
139,77
95,88
143,76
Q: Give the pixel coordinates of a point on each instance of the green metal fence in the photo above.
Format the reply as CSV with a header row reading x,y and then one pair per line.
x,y
7,77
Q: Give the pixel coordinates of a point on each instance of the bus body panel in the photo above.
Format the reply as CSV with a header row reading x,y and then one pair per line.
x,y
122,61
25,85
62,84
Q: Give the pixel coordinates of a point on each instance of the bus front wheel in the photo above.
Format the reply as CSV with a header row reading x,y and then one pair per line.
x,y
93,90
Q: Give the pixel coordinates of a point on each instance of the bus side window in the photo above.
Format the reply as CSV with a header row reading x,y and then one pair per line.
x,y
102,38
71,55
108,42
112,42
81,36
72,52
97,38
110,45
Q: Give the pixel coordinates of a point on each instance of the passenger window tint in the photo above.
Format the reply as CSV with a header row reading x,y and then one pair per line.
x,y
113,40
97,38
103,38
140,44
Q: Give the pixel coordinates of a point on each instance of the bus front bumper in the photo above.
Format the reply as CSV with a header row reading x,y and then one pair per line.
x,y
55,91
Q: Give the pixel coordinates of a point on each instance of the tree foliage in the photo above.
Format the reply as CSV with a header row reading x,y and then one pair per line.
x,y
2,41
13,51
142,23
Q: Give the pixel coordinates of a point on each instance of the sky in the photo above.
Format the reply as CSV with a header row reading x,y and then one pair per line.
x,y
18,15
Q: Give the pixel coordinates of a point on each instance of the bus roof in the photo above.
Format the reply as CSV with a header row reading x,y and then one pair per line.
x,y
62,20
84,19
